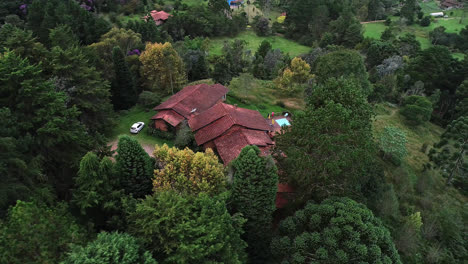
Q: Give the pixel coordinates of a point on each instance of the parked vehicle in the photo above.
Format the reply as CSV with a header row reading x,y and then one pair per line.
x,y
137,127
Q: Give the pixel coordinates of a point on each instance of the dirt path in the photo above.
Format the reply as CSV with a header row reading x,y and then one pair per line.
x,y
147,147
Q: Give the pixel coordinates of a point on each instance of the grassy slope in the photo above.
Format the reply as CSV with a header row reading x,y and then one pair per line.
x,y
253,41
452,24
136,114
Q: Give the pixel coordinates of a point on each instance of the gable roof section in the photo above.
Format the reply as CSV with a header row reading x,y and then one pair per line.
x,y
239,116
230,145
200,97
161,15
169,116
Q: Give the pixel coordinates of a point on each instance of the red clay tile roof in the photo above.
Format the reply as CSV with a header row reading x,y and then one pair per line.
x,y
230,144
161,15
169,116
239,116
200,97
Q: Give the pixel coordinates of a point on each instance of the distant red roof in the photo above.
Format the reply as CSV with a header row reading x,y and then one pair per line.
x,y
161,15
283,195
199,97
169,116
215,121
231,143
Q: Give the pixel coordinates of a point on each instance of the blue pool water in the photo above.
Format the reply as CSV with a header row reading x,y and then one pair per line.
x,y
283,122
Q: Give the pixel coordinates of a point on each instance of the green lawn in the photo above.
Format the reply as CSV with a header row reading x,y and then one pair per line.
x,y
137,114
253,41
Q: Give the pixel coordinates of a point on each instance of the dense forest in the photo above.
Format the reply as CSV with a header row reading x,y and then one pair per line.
x,y
376,154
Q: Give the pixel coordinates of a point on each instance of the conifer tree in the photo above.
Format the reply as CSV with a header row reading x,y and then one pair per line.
x,y
123,89
253,194
134,167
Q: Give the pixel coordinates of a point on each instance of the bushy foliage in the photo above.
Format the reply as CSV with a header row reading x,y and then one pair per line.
x,y
261,26
416,109
123,88
392,142
338,230
134,167
185,171
296,74
188,229
37,233
110,248
254,188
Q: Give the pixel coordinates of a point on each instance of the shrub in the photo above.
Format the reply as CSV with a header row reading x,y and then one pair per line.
x,y
148,100
416,109
425,22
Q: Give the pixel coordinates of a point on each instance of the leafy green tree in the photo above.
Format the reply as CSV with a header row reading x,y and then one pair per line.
x,y
123,89
408,45
188,229
85,87
330,147
416,109
22,43
392,142
162,68
110,248
254,190
343,63
338,230
63,37
450,154
261,26
425,22
297,73
36,233
134,167
263,49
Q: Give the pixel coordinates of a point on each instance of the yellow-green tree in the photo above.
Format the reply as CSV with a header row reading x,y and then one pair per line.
x,y
296,74
187,172
163,69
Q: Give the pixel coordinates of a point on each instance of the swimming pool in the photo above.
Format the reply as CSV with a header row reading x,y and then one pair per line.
x,y
283,122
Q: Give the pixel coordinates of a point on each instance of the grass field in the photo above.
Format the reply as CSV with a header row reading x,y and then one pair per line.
x,y
136,114
253,42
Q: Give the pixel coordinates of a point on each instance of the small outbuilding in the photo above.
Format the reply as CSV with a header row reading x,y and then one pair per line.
x,y
437,14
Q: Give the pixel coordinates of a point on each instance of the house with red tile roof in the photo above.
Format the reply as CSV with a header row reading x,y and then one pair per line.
x,y
159,17
190,101
228,129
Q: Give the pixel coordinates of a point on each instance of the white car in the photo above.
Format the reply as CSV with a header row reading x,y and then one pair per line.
x,y
137,127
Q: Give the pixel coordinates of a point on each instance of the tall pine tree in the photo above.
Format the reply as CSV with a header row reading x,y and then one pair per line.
x,y
253,194
134,167
123,89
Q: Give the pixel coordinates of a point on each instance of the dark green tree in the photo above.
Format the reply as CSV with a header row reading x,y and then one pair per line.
x,y
134,167
330,148
263,49
36,233
346,30
425,22
461,97
85,87
63,37
343,63
110,248
221,72
254,190
123,88
188,229
96,194
379,51
417,109
22,43
338,230
50,131
408,45
408,11
450,154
